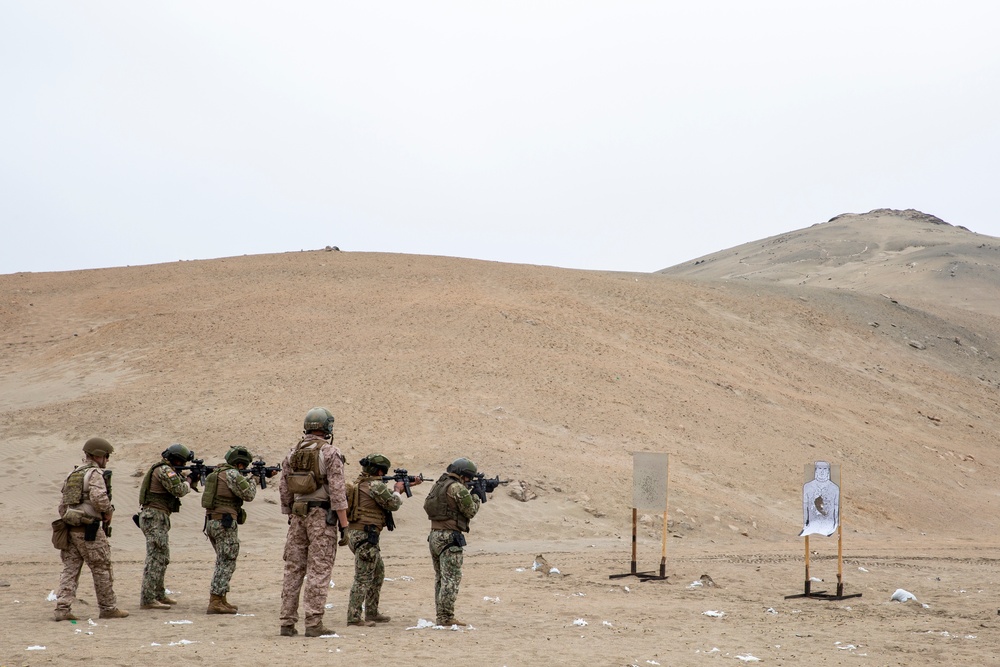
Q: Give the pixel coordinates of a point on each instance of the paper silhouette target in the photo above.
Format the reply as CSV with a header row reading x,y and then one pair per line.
x,y
821,499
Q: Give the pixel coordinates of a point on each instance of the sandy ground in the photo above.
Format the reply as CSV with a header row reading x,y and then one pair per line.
x,y
552,378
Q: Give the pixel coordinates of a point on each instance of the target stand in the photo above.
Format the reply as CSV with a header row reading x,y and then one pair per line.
x,y
645,576
649,490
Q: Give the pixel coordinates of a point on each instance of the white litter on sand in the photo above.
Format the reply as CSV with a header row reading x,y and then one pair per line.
x,y
178,622
748,658
332,584
52,597
487,598
424,624
238,614
582,623
35,648
713,613
902,596
771,610
862,569
607,624
181,642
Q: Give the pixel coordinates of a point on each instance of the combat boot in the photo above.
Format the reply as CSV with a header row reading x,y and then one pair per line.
x,y
167,600
154,604
319,630
288,631
363,624
378,618
63,615
216,605
448,622
228,603
113,613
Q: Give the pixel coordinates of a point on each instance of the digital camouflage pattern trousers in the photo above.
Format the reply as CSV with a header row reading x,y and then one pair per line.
x,y
369,574
447,560
155,525
97,556
310,549
226,542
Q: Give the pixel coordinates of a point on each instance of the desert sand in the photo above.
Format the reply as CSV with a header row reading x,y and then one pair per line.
x,y
869,341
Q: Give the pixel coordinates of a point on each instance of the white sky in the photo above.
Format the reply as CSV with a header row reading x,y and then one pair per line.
x,y
598,135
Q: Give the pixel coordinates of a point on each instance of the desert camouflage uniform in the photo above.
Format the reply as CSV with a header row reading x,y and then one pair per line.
x,y
154,521
445,554
96,554
226,541
369,569
311,544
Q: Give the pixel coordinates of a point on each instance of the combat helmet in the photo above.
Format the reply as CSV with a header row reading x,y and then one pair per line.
x,y
373,462
238,454
98,447
178,451
463,467
318,419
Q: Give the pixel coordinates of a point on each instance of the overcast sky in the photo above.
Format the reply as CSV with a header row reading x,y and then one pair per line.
x,y
597,135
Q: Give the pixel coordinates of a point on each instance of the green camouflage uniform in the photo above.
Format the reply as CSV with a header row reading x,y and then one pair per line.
x,y
226,541
369,570
445,554
154,521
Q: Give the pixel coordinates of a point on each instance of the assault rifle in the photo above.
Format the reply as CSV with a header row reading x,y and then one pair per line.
x,y
480,485
261,471
401,475
198,471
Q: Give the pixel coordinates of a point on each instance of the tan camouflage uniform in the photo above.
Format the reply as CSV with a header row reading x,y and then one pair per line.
x,y
226,541
369,569
445,554
311,544
96,554
154,521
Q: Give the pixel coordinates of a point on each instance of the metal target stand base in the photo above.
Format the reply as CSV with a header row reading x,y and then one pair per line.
x,y
823,595
645,576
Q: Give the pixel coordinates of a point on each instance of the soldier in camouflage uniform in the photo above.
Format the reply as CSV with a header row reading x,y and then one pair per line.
x,y
314,496
450,506
370,507
159,496
226,489
85,503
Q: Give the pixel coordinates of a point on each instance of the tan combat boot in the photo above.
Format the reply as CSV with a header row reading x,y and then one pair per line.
x,y
167,600
378,618
319,630
448,622
63,615
228,603
113,613
216,605
288,631
363,624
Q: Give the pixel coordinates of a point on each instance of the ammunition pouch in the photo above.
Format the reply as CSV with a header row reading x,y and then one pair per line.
x,y
74,517
372,533
227,520
457,539
241,516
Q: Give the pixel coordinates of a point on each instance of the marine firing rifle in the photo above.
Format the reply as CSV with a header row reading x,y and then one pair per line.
x,y
481,485
401,475
197,472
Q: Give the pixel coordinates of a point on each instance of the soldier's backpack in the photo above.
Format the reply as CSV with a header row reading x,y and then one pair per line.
x,y
304,476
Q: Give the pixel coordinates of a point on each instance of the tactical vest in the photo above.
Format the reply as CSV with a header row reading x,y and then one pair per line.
x,y
306,479
72,491
442,509
219,497
362,510
152,494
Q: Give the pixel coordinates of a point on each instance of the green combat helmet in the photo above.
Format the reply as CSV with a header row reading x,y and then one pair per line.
x,y
373,462
237,455
318,419
463,467
98,447
178,451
